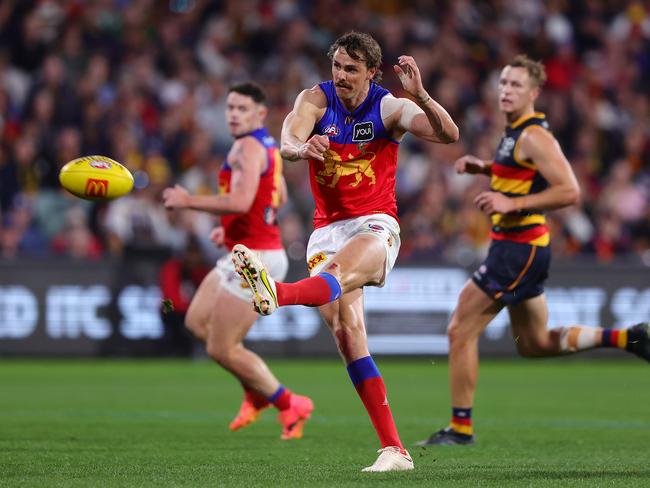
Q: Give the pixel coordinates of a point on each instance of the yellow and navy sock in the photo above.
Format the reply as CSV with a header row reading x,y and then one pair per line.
x,y
461,421
614,338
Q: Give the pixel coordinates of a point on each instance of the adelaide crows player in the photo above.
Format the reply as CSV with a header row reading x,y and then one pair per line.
x,y
529,176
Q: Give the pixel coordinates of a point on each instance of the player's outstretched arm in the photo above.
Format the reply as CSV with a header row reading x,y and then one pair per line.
x,y
426,119
246,159
295,143
539,145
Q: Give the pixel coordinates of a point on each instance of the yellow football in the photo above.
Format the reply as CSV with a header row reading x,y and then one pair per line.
x,y
96,178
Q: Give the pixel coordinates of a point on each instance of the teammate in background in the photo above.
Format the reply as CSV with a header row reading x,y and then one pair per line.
x,y
529,175
251,190
349,129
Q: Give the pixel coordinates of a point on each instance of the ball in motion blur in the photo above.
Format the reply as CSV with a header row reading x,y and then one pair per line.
x,y
96,178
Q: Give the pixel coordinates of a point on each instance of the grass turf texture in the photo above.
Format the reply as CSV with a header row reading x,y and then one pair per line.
x,y
164,423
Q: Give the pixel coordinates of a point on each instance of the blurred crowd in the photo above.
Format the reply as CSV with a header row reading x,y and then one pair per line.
x,y
144,82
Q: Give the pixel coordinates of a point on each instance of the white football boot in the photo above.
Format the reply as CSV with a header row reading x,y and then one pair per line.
x,y
390,459
251,269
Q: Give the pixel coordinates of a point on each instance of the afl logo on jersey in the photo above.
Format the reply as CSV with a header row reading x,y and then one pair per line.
x,y
331,131
363,132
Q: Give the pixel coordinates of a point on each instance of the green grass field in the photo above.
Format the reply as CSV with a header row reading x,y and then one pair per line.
x,y
164,423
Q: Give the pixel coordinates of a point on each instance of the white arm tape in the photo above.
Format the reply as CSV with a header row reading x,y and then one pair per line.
x,y
409,109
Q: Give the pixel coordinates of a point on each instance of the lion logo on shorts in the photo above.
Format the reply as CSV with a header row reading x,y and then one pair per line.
x,y
336,167
315,260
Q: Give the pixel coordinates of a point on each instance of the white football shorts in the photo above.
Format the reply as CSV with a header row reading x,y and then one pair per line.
x,y
326,241
276,263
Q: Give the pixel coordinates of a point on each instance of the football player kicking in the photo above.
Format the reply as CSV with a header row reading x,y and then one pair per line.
x,y
350,129
529,176
251,190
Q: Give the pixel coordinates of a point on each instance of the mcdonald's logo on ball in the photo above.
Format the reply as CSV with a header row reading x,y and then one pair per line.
x,y
96,188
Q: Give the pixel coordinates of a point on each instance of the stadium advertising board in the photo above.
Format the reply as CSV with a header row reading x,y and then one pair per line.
x,y
103,309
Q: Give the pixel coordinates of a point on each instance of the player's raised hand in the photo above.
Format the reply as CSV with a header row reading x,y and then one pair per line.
x,y
494,202
217,236
315,147
409,75
470,164
176,197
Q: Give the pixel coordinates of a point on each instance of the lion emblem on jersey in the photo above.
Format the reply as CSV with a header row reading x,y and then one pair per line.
x,y
335,167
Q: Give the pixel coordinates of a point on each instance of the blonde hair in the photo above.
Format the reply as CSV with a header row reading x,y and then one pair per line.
x,y
535,69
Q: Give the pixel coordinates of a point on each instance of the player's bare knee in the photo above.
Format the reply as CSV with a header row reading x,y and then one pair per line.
x,y
348,280
456,337
532,347
219,353
526,350
457,332
195,326
334,269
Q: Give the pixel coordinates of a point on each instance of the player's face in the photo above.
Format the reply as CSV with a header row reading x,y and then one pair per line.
x,y
517,93
243,114
350,76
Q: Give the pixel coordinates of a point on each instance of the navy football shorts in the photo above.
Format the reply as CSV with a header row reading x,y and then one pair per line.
x,y
513,272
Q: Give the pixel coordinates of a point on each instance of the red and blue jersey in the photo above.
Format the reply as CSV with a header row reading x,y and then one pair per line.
x,y
358,175
257,228
515,177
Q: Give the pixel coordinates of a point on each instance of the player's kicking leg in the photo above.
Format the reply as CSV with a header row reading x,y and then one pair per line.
x,y
269,294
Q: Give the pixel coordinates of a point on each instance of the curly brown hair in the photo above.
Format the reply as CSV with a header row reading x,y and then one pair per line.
x,y
360,47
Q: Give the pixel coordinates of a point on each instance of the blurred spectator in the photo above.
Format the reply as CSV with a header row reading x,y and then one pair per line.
x,y
19,236
8,181
75,239
180,276
139,219
144,83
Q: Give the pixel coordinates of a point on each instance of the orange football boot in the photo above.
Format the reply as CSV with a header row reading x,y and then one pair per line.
x,y
293,419
248,413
